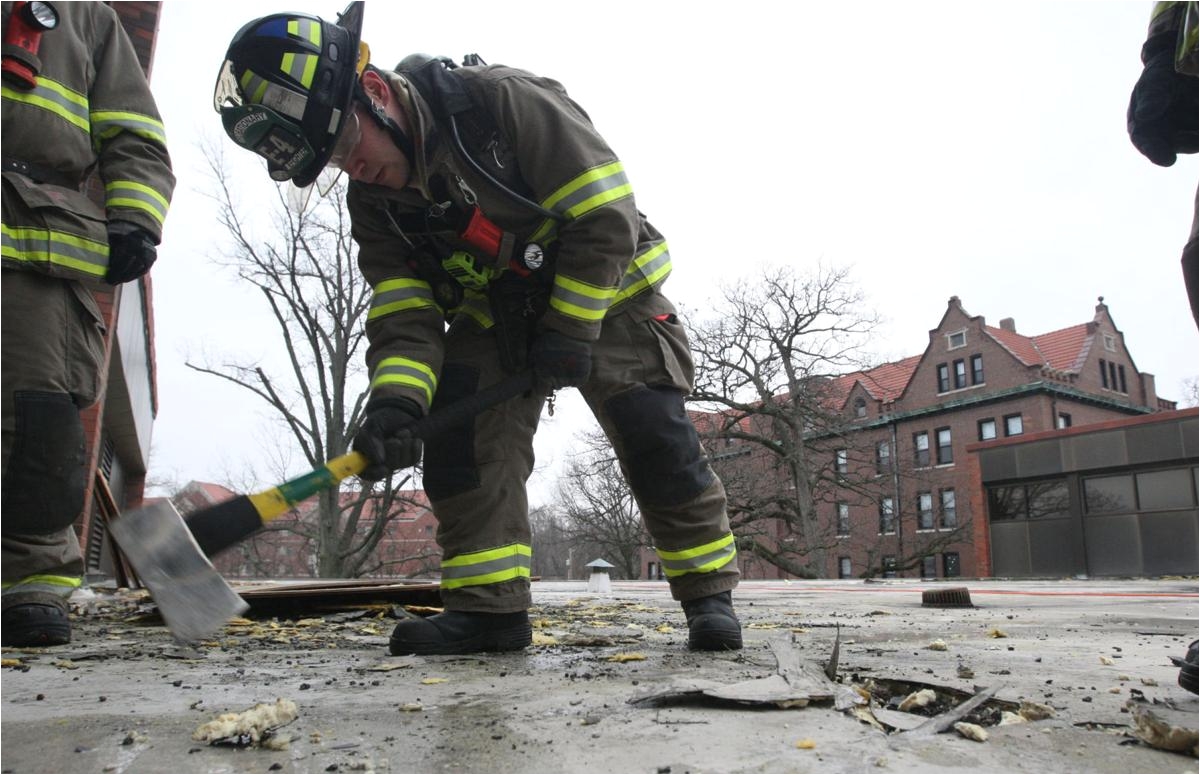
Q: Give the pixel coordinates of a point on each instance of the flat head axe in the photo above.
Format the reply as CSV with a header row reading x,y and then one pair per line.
x,y
170,555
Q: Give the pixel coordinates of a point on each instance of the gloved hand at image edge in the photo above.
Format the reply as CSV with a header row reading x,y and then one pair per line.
x,y
1162,117
131,252
560,361
384,439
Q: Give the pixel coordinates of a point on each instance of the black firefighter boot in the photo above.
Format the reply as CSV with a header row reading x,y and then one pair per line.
x,y
1187,668
35,619
712,625
462,632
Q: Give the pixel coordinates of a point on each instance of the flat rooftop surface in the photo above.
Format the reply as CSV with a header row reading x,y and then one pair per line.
x,y
609,685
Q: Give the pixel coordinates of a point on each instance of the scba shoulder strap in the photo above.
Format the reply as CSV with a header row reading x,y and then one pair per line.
x,y
465,122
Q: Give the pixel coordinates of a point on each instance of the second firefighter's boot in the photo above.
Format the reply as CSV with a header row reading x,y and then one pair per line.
x,y
712,625
40,621
462,632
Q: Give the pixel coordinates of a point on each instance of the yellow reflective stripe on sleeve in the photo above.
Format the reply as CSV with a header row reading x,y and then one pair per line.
x,y
128,193
580,300
45,246
398,295
701,559
593,188
406,372
646,271
488,567
50,95
110,123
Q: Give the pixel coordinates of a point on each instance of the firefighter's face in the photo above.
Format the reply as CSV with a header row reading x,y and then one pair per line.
x,y
375,158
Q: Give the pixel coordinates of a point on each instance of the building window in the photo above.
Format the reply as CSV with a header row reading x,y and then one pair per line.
x,y
987,429
929,567
889,566
1103,373
945,452
843,519
887,517
1064,420
1049,499
883,457
1112,375
1110,343
1121,375
943,378
860,407
960,374
1171,489
949,510
925,511
839,462
950,565
956,340
976,369
921,449
1013,425
843,567
1109,494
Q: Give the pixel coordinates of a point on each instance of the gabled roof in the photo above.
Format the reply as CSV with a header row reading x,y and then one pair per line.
x,y
1062,350
883,383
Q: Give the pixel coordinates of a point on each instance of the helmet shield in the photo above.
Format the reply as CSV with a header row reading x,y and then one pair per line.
x,y
286,88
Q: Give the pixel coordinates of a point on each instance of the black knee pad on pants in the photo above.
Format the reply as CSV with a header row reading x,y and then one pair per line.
x,y
450,467
45,482
662,451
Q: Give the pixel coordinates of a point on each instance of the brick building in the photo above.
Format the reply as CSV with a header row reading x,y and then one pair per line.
x,y
908,505
117,427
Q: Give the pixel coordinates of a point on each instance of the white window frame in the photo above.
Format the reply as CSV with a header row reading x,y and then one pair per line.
x,y
950,345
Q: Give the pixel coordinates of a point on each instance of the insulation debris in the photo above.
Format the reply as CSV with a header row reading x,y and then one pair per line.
x,y
971,731
806,744
250,727
996,632
1035,711
918,699
937,645
1160,733
631,656
1106,660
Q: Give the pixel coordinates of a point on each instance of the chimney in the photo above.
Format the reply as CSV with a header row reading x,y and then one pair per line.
x,y
1008,324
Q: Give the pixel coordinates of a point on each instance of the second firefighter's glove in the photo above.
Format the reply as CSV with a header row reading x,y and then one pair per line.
x,y
384,438
560,361
1162,109
131,252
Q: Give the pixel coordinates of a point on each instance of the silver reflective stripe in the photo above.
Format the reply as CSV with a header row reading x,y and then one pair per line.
x,y
649,269
701,559
408,373
493,566
398,295
42,246
592,189
56,98
128,193
109,123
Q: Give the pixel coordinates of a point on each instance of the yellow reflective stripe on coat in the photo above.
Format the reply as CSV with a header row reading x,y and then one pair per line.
x,y
580,300
50,95
701,559
646,271
398,295
408,373
107,124
593,189
46,246
488,567
139,196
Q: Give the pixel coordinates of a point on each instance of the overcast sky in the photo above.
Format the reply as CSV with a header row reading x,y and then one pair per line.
x,y
948,149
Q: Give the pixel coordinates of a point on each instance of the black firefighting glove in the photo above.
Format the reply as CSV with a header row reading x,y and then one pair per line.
x,y
384,439
1162,109
131,252
560,361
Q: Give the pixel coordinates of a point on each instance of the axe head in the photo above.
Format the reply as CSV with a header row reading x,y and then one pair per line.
x,y
194,600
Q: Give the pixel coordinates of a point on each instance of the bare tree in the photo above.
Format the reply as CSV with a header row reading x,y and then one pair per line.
x,y
766,358
305,270
598,508
551,544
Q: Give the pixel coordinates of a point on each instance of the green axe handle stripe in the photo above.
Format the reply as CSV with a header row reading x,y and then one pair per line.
x,y
226,524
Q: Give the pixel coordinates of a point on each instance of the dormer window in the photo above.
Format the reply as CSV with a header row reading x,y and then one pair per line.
x,y
1110,343
860,407
956,340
